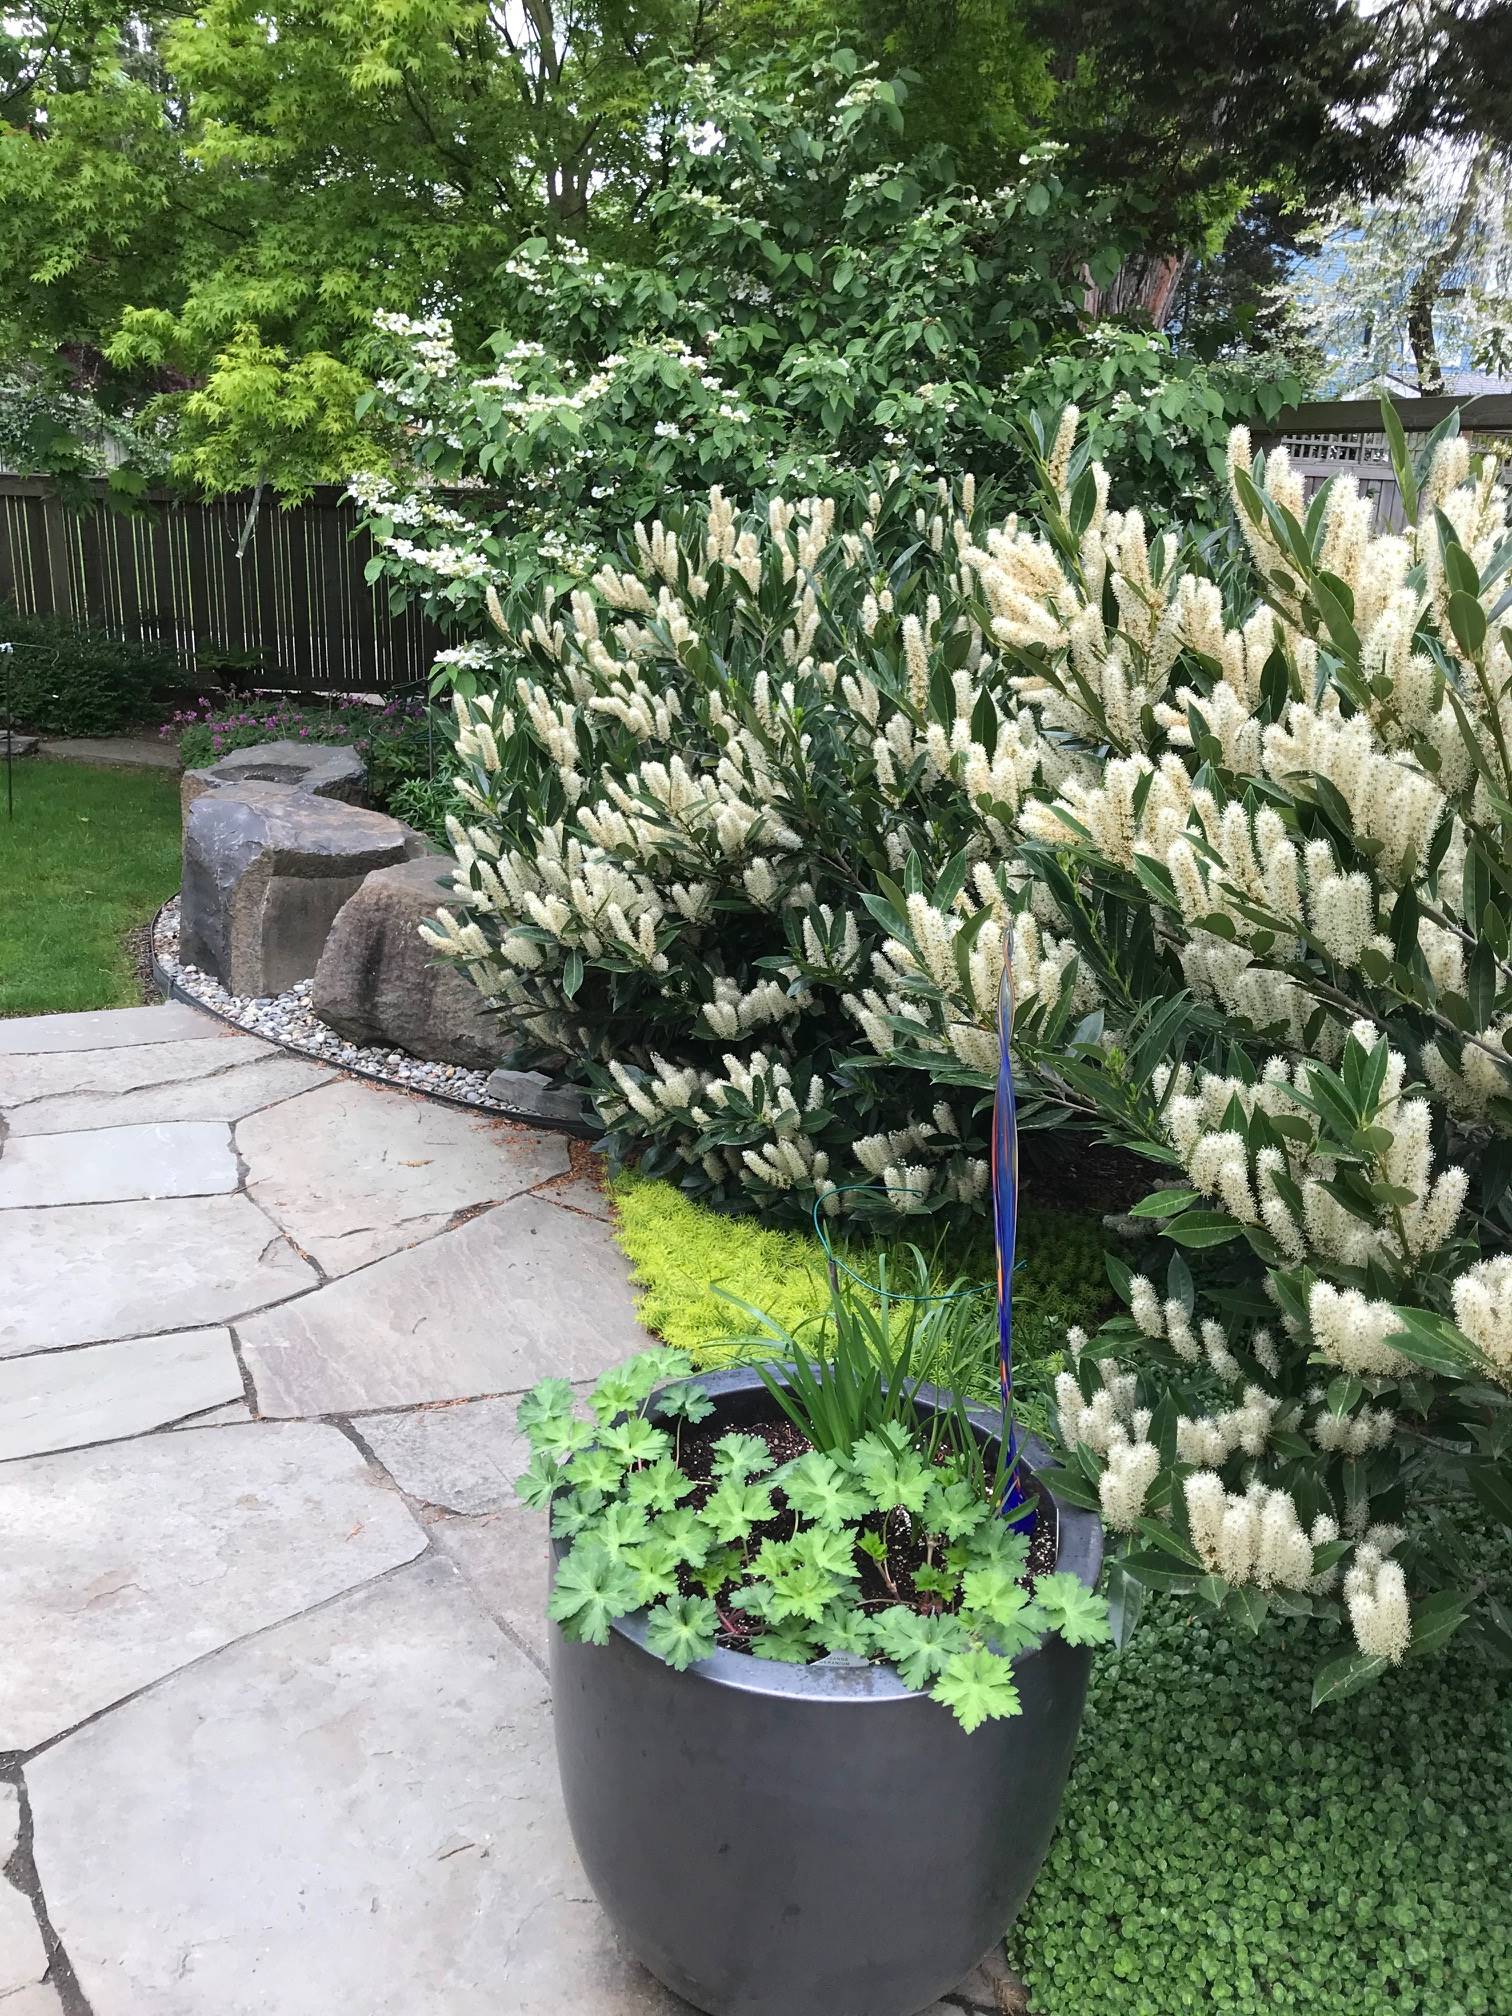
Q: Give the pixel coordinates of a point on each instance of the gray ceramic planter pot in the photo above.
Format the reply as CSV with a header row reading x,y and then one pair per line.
x,y
810,1840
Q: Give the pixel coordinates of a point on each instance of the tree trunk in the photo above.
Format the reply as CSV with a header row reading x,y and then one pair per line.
x,y
1144,287
1429,286
1430,371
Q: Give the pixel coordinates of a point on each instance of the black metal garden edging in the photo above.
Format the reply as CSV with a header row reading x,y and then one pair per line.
x,y
173,989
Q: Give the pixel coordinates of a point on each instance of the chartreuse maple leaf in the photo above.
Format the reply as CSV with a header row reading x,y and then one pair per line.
x,y
658,1487
977,1686
548,1402
818,1489
917,1646
592,1588
997,1542
684,1530
571,1511
596,1470
742,1456
802,1590
843,1629
561,1436
656,1561
621,1527
626,1388
682,1630
538,1481
733,1510
618,1392
689,1402
1077,1612
789,1642
955,1509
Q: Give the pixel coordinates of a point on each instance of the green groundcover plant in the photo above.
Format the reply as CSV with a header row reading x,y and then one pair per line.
x,y
698,1273
880,1539
1219,1850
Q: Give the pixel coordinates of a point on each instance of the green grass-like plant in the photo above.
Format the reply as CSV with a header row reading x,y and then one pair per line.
x,y
90,853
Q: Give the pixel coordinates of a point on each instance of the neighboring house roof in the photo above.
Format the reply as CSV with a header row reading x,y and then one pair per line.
x,y
1457,384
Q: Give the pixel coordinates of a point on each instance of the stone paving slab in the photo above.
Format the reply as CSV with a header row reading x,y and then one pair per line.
x,y
102,1029
524,1292
503,1560
42,2000
104,1392
102,1271
131,752
464,1458
219,1417
109,1073
357,1811
218,1077
582,1194
229,1094
122,1564
353,1172
113,1165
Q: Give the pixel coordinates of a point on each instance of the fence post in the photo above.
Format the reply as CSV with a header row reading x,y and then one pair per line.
x,y
55,528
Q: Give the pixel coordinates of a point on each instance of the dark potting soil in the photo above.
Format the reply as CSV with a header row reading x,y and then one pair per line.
x,y
905,1554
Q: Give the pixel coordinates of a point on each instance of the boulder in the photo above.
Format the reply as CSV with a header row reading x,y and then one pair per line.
x,y
14,743
266,870
378,982
325,769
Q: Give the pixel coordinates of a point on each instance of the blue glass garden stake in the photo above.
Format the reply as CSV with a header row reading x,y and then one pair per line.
x,y
1016,1508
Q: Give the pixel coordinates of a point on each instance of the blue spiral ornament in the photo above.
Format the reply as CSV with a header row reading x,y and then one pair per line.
x,y
1005,1185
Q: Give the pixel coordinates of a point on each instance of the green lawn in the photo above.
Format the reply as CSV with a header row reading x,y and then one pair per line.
x,y
89,853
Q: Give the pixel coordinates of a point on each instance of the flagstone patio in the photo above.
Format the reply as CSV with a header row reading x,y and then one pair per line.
x,y
274,1728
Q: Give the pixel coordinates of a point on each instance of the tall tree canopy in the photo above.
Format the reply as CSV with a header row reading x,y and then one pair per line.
x,y
210,204
221,198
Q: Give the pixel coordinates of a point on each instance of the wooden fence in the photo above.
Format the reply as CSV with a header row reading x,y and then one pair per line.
x,y
295,602
1337,436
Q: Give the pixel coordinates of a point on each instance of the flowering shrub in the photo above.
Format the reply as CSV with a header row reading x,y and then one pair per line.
x,y
1243,837
1279,846
668,819
837,295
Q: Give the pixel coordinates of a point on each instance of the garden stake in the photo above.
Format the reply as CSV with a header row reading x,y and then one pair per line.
x,y
1004,1231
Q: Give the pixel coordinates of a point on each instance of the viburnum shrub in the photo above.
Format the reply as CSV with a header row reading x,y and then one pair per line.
x,y
1240,818
805,290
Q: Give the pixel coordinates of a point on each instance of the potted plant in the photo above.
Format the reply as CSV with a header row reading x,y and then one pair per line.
x,y
816,1691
